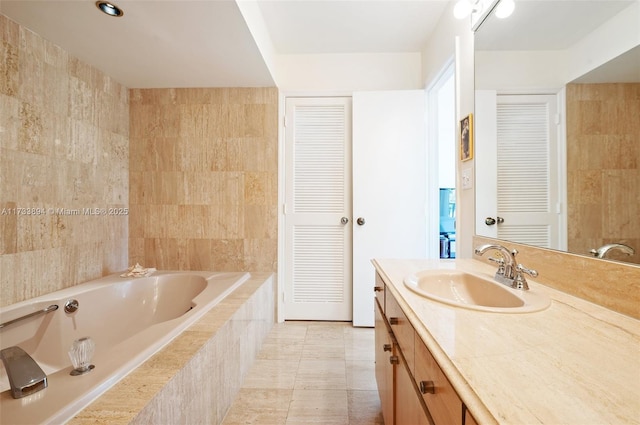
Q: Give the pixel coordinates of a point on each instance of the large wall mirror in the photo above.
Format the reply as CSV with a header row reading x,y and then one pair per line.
x,y
557,126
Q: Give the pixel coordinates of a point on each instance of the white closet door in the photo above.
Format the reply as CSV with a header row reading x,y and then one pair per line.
x,y
527,169
389,187
318,197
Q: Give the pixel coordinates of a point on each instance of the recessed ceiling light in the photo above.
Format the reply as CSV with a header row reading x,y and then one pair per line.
x,y
109,8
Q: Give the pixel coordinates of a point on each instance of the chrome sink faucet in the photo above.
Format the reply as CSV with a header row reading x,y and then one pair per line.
x,y
509,273
602,251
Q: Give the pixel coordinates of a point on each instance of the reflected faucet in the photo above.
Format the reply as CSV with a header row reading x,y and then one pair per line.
x,y
509,273
602,251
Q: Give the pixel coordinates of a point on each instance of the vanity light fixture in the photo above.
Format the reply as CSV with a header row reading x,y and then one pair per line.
x,y
464,8
505,8
109,8
479,9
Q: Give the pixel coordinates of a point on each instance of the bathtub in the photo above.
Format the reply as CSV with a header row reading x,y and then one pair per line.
x,y
129,319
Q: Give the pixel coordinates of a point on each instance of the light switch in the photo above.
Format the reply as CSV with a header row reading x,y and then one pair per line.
x,y
467,178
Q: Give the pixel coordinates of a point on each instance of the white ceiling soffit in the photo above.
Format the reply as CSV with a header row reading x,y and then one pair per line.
x,y
155,44
350,26
623,69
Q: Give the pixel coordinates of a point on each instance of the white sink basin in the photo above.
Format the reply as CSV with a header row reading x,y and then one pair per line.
x,y
475,292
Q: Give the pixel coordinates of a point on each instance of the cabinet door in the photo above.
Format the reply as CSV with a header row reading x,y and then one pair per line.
x,y
384,369
468,419
409,411
379,291
401,328
442,401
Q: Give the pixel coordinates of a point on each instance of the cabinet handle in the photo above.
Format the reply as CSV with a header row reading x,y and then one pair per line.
x,y
427,387
394,360
393,320
377,289
386,347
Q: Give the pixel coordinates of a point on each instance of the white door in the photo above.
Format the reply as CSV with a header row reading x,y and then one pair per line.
x,y
317,202
389,187
517,180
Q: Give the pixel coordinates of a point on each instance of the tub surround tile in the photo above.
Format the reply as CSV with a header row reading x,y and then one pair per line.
x,y
204,178
195,378
603,166
568,349
64,146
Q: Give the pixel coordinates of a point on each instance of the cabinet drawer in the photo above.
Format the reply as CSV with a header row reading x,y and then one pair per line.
x,y
402,329
442,401
380,289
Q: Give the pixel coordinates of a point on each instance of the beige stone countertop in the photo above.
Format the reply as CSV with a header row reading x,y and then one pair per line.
x,y
573,363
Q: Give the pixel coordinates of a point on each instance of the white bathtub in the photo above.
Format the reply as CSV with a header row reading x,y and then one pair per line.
x,y
129,320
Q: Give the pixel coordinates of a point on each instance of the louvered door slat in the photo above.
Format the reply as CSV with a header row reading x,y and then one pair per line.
x,y
319,160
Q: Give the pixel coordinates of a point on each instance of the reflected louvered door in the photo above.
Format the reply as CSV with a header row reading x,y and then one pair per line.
x,y
318,195
527,169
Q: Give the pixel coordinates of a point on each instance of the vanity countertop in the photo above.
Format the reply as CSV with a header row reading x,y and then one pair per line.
x,y
573,363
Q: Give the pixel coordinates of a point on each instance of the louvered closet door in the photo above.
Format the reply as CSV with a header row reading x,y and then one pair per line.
x,y
527,169
318,283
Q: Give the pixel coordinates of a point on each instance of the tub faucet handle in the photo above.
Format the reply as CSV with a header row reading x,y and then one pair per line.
x,y
81,353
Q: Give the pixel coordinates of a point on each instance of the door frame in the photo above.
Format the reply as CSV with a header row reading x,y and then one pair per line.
x,y
433,147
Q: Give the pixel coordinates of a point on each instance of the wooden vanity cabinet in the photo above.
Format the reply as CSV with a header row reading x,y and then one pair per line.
x,y
468,419
442,401
413,389
385,353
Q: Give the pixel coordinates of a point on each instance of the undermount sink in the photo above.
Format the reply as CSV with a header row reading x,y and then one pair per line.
x,y
475,292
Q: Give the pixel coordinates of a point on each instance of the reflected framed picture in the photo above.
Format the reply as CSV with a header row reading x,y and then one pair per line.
x,y
466,138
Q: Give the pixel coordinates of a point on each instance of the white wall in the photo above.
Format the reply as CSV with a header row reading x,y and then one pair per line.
x,y
348,72
513,70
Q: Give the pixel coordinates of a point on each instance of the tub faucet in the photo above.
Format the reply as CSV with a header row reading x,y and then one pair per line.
x,y
509,272
602,251
25,376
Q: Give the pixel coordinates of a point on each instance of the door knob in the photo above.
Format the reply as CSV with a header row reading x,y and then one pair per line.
x,y
360,221
344,220
490,221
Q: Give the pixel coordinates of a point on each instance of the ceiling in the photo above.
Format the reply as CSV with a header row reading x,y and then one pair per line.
x,y
206,43
557,25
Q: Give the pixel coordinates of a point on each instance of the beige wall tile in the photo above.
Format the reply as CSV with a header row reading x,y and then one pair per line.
x,y
64,147
603,158
203,188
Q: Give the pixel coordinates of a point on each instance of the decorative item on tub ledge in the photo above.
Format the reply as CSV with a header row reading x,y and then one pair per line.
x,y
138,271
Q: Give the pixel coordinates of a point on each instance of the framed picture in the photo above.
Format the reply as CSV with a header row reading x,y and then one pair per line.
x,y
466,138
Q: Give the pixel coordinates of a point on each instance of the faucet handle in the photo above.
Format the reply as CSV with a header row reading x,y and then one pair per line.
x,y
500,262
519,281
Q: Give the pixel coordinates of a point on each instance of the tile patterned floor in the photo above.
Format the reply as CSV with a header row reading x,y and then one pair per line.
x,y
311,373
